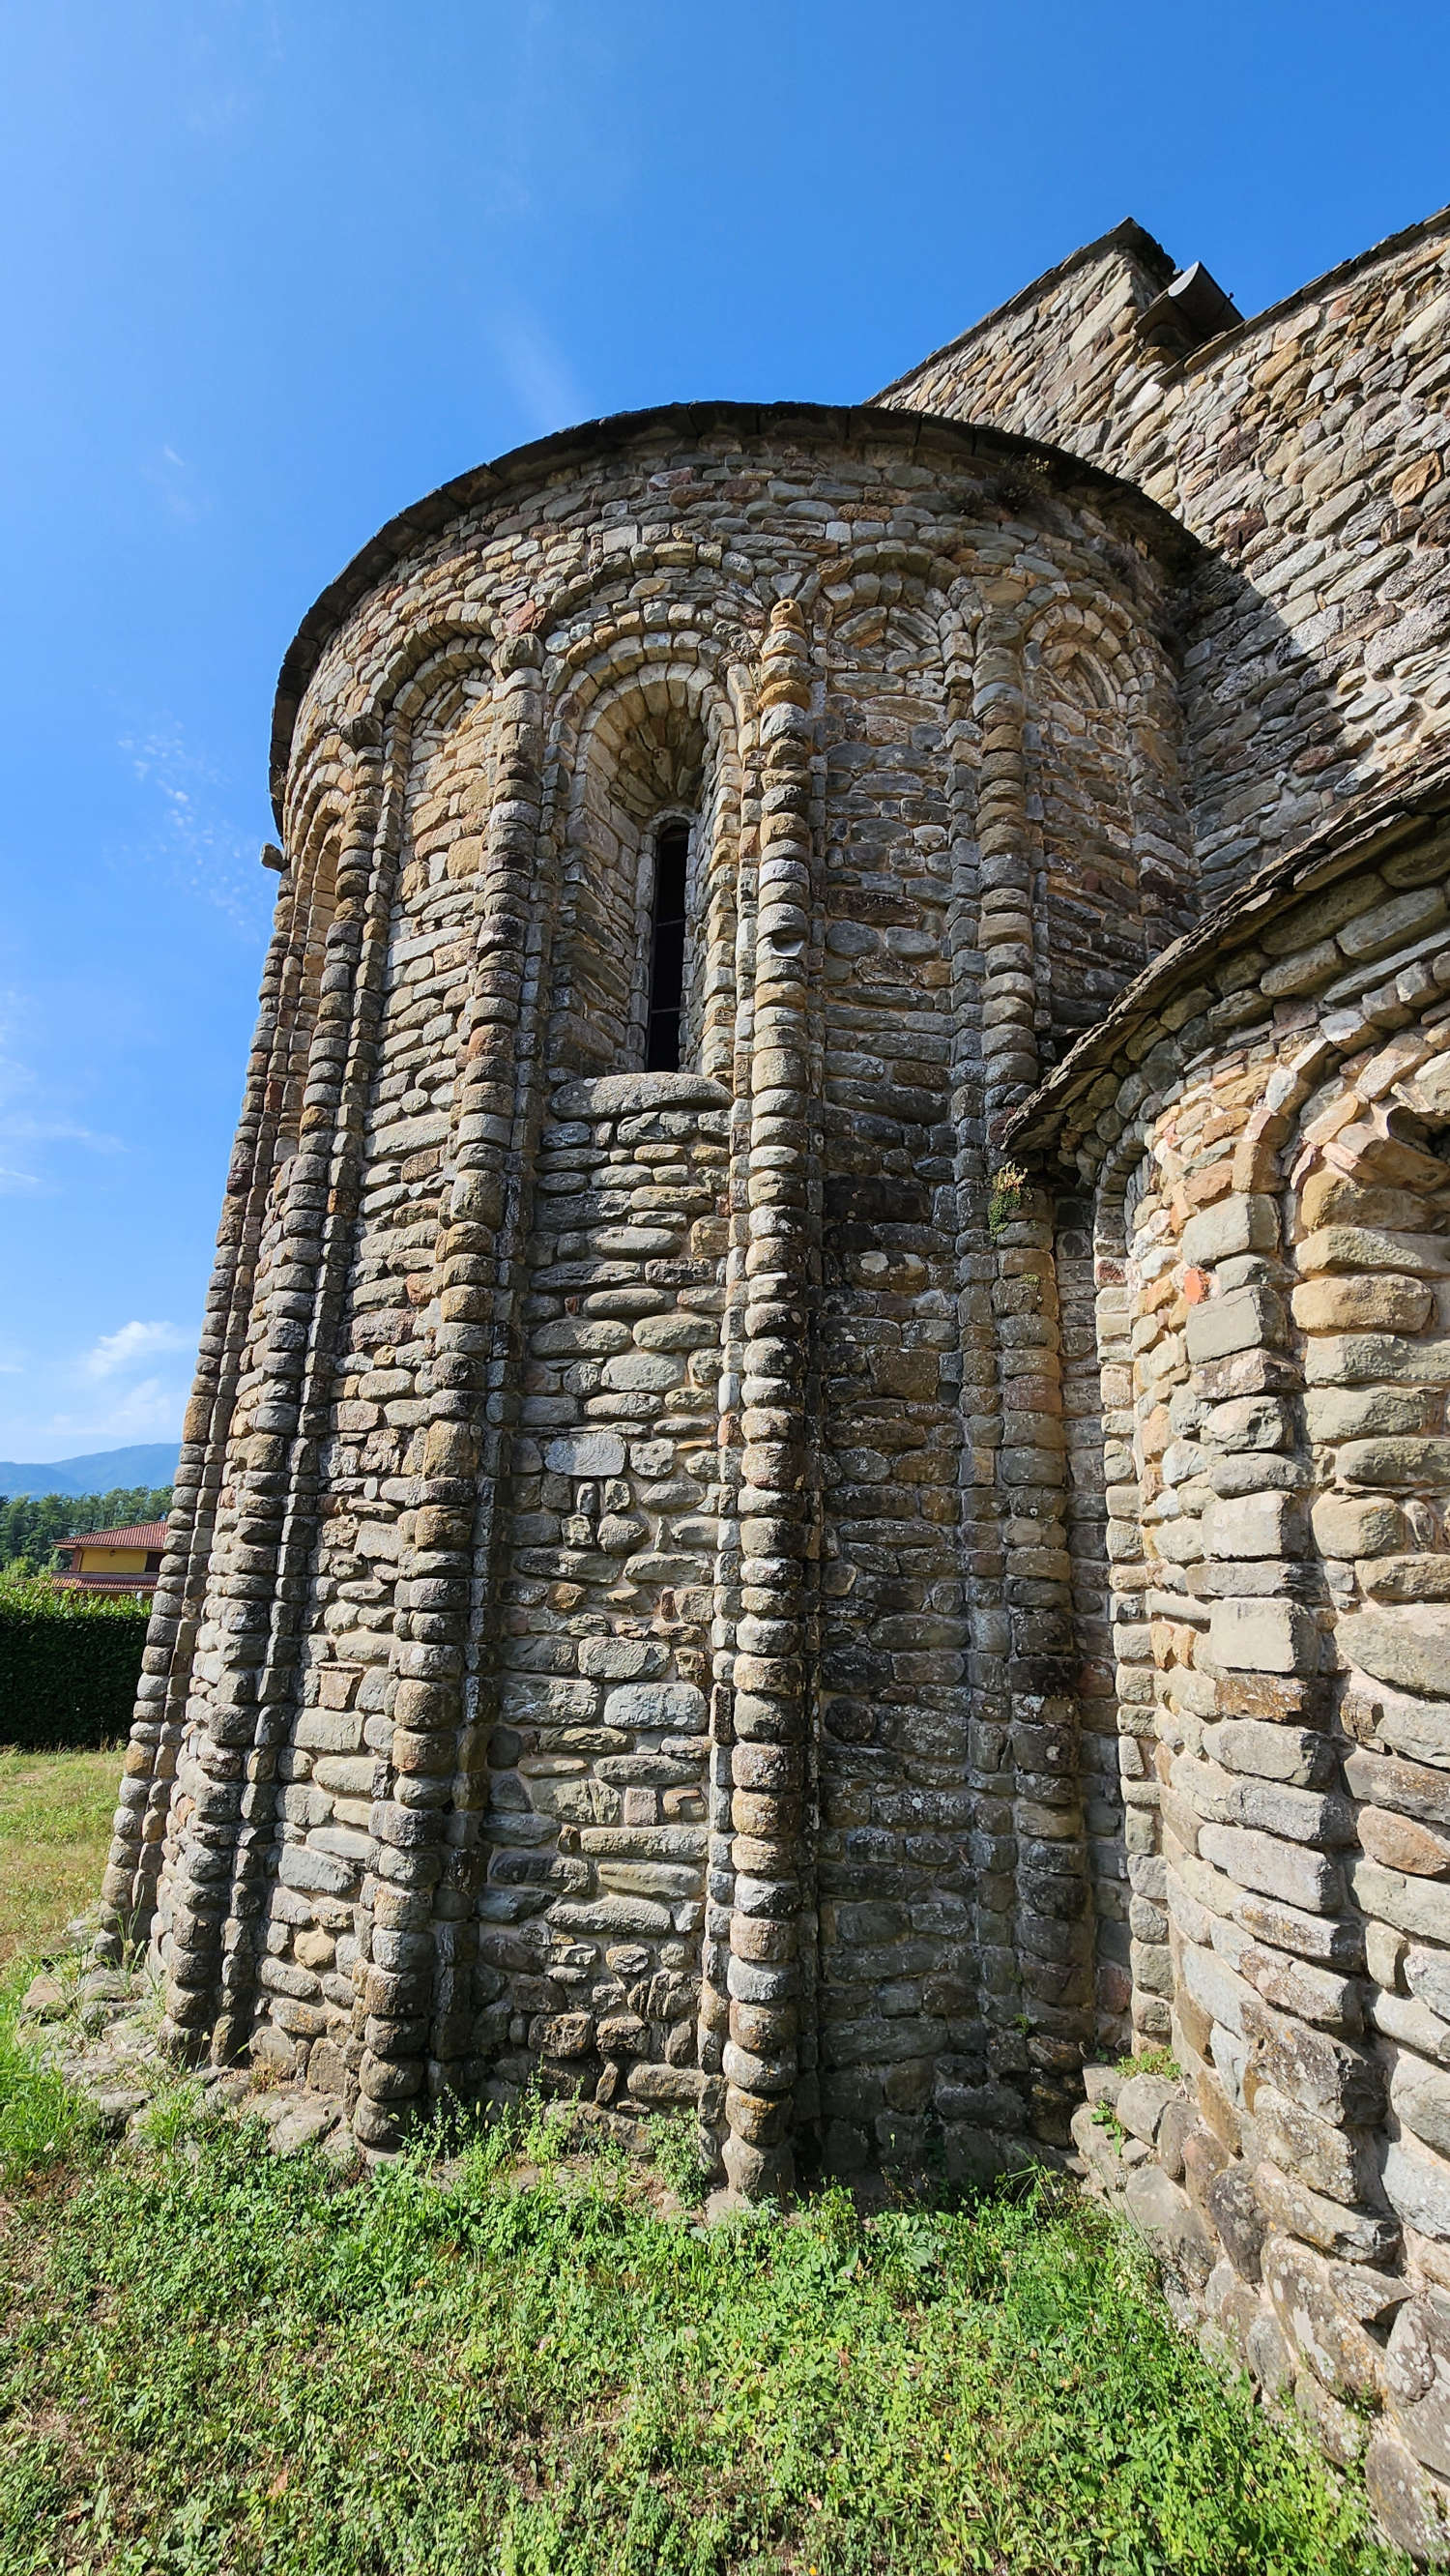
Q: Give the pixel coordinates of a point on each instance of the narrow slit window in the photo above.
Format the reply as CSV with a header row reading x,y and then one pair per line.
x,y
667,951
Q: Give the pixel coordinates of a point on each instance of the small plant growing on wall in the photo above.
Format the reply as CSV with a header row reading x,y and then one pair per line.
x,y
1004,1200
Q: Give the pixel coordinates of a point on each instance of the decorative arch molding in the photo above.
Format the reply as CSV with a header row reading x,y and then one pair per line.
x,y
385,682
604,667
918,618
323,769
439,654
338,730
886,573
595,612
314,874
635,736
1097,629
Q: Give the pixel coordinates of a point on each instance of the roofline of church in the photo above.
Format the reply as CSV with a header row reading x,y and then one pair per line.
x,y
1349,841
541,457
1328,282
1128,235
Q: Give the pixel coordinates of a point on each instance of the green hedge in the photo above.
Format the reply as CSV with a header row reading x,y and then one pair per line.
x,y
69,1664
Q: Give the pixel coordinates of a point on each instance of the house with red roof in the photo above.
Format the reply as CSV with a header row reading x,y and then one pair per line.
x,y
112,1560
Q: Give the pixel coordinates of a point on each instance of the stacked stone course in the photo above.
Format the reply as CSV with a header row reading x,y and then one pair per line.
x,y
849,1584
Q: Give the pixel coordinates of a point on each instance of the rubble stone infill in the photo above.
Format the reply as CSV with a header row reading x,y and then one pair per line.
x,y
100,2029
1321,2324
102,2032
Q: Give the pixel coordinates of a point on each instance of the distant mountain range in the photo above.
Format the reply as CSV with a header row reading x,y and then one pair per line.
x,y
153,1462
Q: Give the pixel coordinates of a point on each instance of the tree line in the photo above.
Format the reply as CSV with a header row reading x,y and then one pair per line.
x,y
32,1526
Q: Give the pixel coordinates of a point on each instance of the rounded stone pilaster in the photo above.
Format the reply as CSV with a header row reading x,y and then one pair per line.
x,y
418,2014
770,1753
1038,1971
128,1893
242,1708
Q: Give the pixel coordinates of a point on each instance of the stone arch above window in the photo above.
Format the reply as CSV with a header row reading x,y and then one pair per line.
x,y
645,819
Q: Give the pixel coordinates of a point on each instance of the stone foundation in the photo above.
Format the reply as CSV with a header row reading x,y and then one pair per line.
x,y
1317,2319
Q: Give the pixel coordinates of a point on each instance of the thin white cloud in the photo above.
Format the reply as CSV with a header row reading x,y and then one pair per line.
x,y
119,1390
196,842
25,1132
175,480
150,1410
116,1352
537,372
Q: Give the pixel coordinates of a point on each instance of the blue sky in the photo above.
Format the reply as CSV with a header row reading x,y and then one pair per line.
x,y
274,268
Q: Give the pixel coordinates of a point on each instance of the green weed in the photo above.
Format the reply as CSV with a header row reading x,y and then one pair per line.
x,y
176,2107
213,2363
1153,2061
1005,1197
679,2156
42,2120
1105,2117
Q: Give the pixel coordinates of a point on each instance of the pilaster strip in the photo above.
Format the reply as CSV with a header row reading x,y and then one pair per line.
x,y
435,1592
769,1757
128,1891
1051,1932
714,2012
242,1710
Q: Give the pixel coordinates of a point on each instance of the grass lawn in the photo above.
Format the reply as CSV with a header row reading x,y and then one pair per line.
x,y
55,1825
537,2361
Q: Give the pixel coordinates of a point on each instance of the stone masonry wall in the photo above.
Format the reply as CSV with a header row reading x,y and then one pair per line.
x,y
1308,450
1274,1306
596,1830
847,1584
509,1742
896,1976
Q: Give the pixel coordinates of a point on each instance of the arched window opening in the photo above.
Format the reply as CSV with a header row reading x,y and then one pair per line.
x,y
643,961
667,950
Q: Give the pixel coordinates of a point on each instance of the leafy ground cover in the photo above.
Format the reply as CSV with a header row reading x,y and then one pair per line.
x,y
55,1824
540,2363
536,2360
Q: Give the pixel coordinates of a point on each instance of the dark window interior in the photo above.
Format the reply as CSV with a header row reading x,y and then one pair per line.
x,y
667,951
